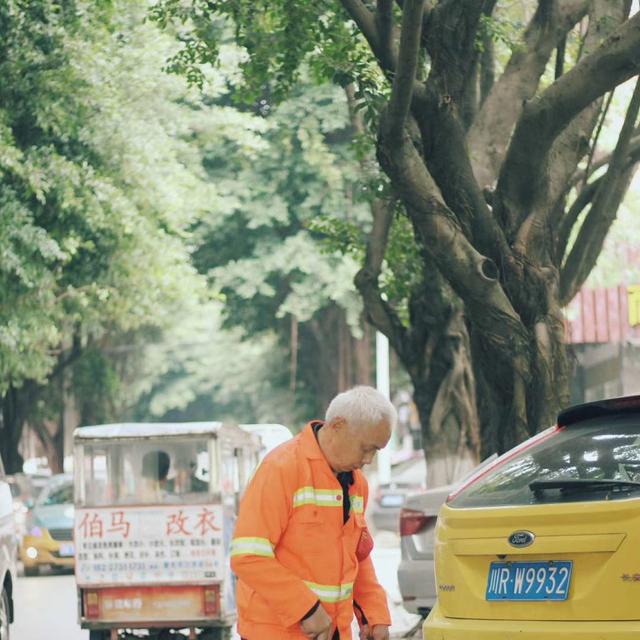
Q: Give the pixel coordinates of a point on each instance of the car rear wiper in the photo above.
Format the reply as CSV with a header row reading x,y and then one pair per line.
x,y
576,485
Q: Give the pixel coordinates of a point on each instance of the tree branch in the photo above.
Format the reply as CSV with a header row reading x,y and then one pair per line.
x,y
545,117
560,53
574,142
585,198
489,135
366,22
603,211
473,276
404,79
379,312
450,36
385,26
602,161
487,69
448,162
452,29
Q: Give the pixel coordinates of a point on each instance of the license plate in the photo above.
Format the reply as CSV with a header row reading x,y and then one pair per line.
x,y
392,501
529,580
67,550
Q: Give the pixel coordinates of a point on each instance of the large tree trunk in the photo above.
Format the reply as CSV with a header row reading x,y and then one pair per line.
x,y
51,437
544,391
445,398
15,407
331,359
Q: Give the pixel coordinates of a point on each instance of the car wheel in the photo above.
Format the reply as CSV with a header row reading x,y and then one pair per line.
x,y
31,572
5,609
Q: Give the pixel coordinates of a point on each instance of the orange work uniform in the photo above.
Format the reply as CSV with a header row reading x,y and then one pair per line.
x,y
291,547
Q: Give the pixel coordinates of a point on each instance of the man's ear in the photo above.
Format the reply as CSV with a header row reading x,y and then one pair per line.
x,y
338,423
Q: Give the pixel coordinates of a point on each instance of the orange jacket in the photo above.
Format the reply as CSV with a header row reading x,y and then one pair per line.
x,y
291,548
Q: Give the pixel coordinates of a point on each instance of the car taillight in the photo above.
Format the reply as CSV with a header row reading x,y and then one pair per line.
x,y
523,446
91,604
413,521
211,601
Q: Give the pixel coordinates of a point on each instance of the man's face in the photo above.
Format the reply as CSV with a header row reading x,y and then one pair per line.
x,y
351,446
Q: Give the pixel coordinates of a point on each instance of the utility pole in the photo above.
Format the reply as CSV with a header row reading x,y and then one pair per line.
x,y
382,384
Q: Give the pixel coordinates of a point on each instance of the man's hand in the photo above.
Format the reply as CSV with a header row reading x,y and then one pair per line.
x,y
318,626
379,632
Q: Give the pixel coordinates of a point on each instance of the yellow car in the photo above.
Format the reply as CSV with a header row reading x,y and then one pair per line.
x,y
48,540
544,544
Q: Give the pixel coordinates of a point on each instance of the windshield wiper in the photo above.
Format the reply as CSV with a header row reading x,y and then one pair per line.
x,y
576,485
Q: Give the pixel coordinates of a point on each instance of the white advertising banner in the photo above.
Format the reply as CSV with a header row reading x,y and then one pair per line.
x,y
149,545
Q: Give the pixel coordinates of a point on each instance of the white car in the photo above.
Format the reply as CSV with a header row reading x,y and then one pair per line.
x,y
271,435
8,556
416,575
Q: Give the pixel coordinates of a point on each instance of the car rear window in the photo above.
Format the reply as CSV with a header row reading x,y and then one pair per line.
x,y
61,494
598,449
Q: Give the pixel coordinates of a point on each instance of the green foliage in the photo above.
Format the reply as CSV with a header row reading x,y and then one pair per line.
x,y
499,30
402,269
91,229
339,236
199,371
295,167
95,383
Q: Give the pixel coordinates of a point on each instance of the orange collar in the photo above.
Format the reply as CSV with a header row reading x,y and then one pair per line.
x,y
309,444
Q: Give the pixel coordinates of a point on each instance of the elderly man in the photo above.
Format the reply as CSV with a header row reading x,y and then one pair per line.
x,y
301,545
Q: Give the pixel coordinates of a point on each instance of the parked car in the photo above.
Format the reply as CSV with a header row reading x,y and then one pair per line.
x,y
49,537
271,436
544,542
416,576
406,477
24,491
8,556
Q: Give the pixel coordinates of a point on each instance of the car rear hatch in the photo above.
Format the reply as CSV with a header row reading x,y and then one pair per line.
x,y
551,530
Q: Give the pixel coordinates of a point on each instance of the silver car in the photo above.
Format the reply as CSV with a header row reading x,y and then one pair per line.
x,y
407,477
416,575
416,572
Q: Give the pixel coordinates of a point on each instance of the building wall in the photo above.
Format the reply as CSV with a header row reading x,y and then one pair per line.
x,y
605,370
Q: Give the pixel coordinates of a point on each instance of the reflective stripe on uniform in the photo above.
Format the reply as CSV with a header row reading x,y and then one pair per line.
x,y
252,547
331,592
317,497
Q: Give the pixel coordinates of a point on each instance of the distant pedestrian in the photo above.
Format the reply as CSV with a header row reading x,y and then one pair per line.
x,y
301,547
155,468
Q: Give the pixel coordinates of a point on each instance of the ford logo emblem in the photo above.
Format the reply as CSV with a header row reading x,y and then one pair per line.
x,y
521,539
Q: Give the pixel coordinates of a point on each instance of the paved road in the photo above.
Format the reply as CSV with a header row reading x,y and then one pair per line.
x,y
46,609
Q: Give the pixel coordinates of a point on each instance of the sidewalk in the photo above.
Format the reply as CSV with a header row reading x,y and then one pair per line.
x,y
386,558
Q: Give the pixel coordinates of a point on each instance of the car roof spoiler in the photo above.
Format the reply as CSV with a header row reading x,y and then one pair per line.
x,y
599,408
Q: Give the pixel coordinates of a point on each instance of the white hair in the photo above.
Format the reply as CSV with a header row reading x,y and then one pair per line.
x,y
362,406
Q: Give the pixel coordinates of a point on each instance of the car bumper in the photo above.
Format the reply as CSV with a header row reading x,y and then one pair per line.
x,y
417,585
437,627
48,553
386,519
